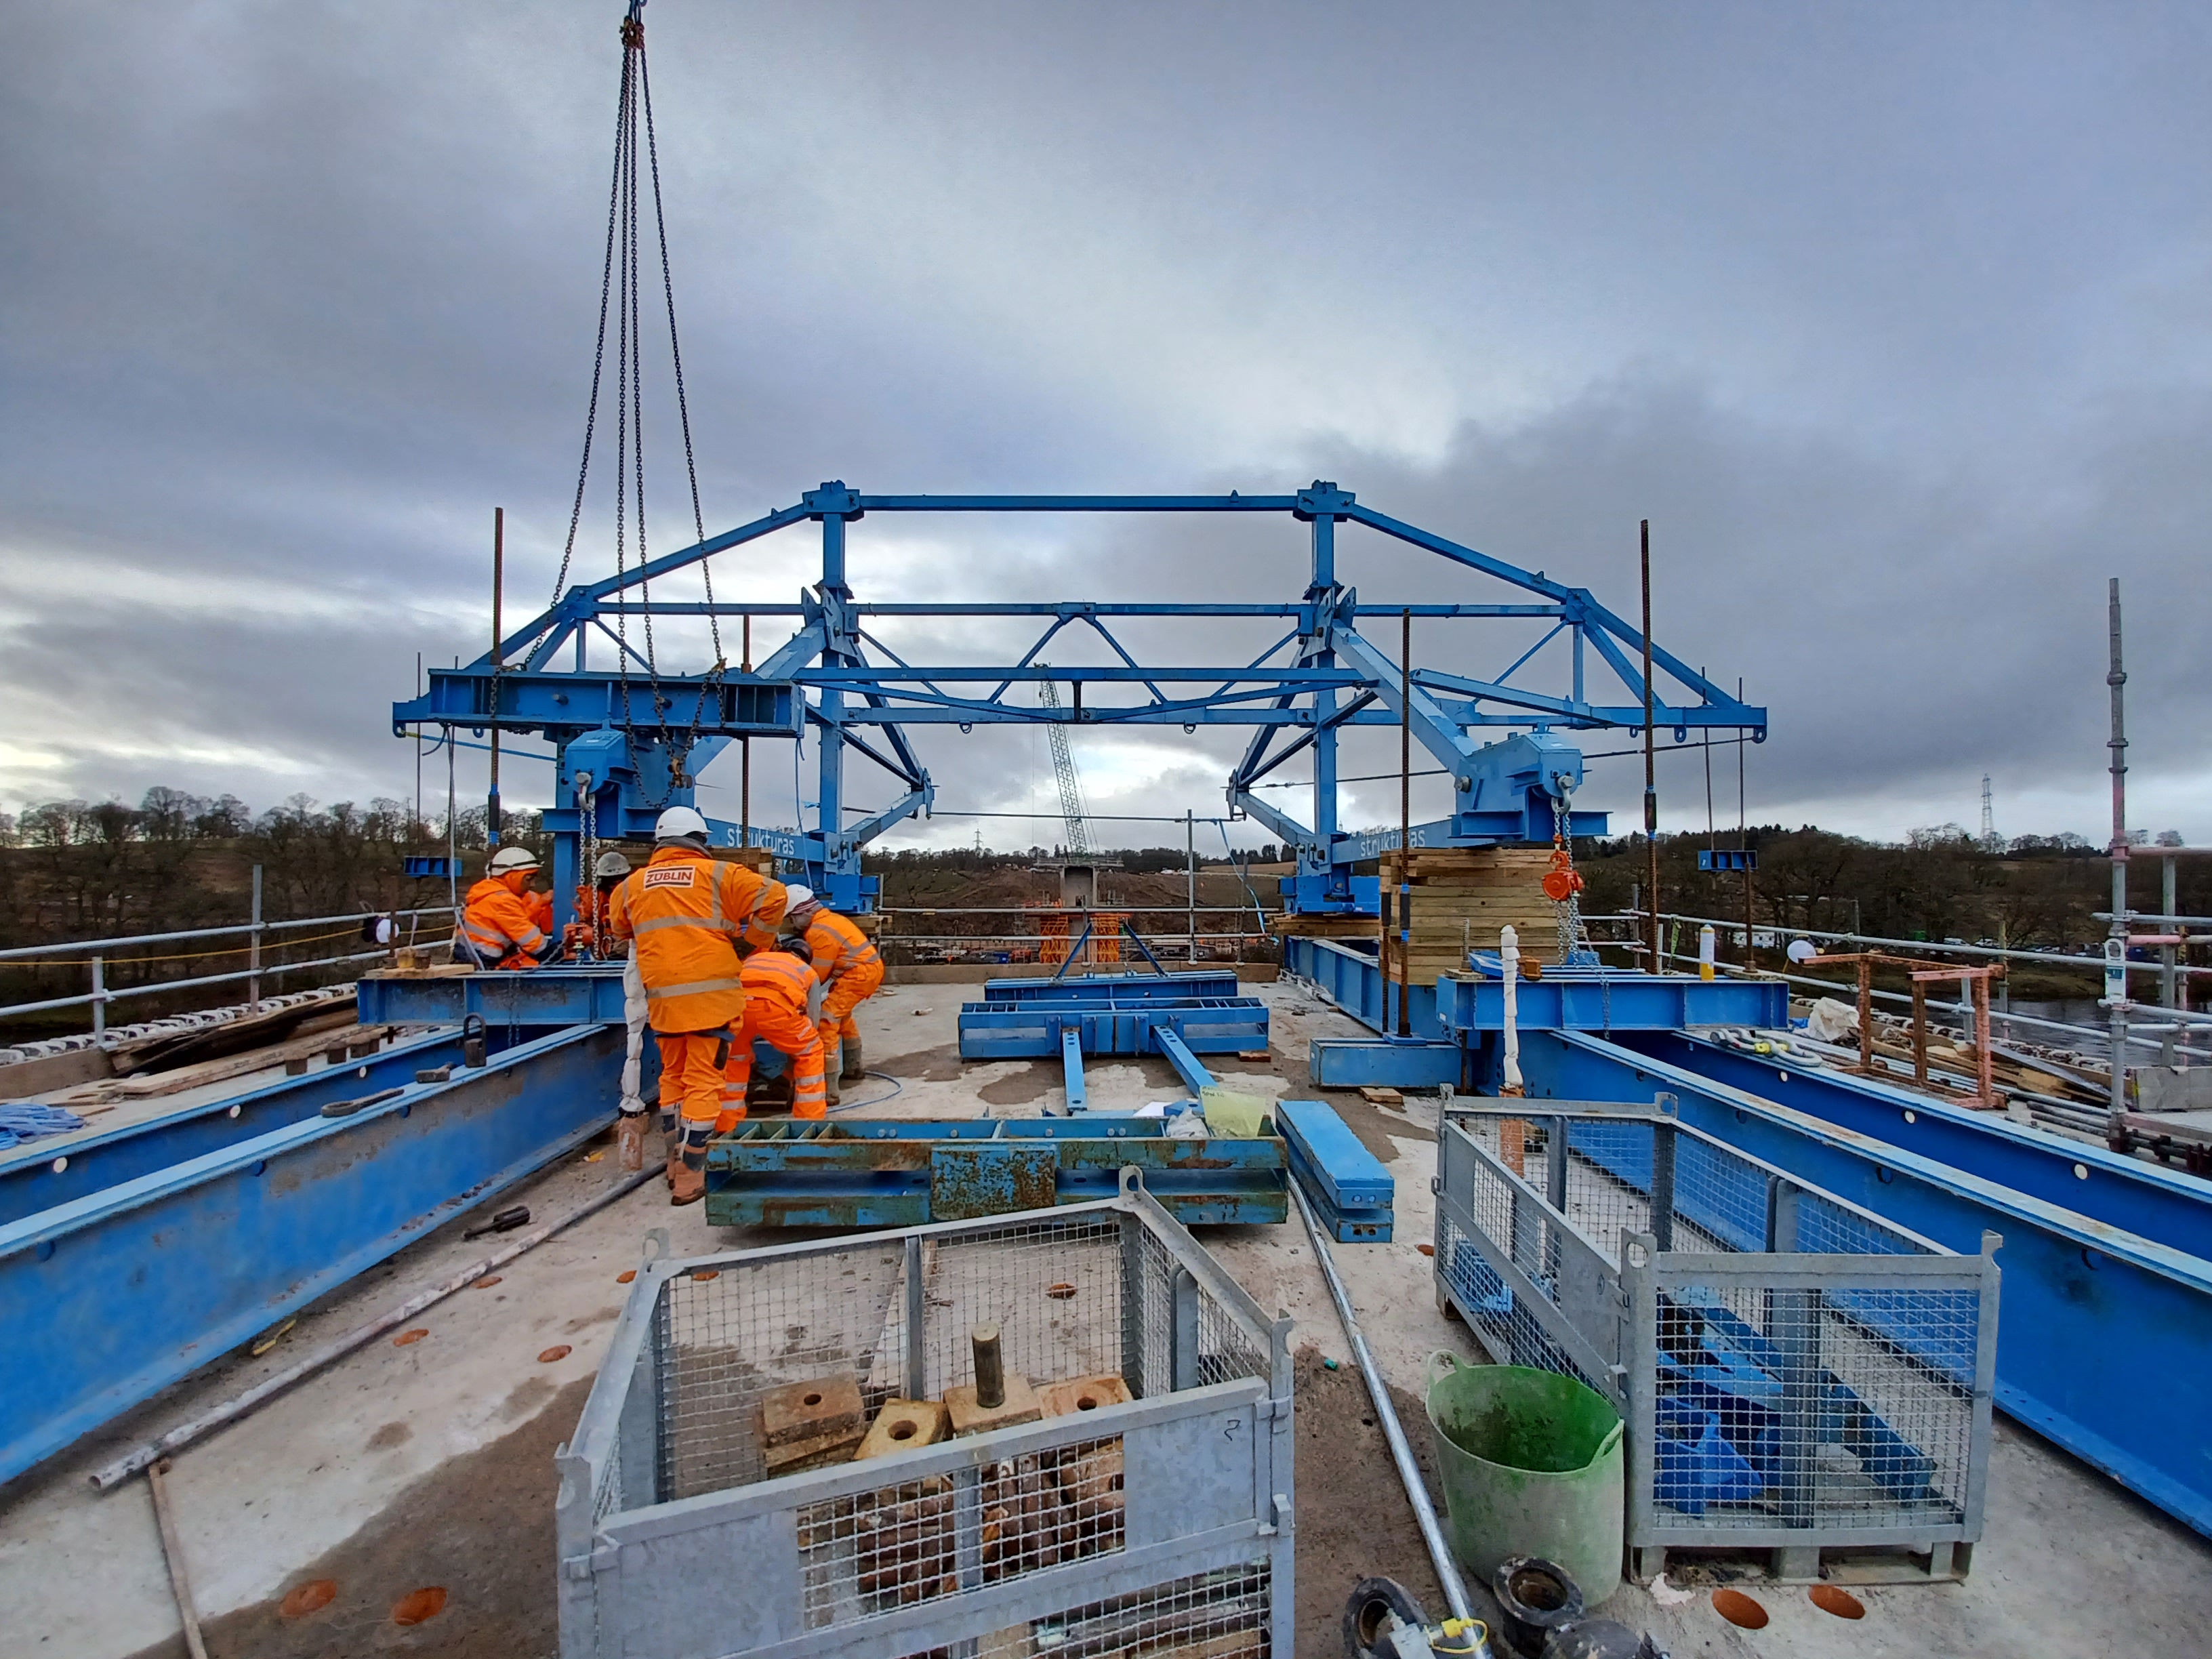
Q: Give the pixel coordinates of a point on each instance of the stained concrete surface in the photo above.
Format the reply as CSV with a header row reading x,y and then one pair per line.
x,y
2070,1563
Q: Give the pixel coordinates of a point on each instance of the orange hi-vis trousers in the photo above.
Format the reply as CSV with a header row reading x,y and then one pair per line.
x,y
787,1029
847,991
691,1069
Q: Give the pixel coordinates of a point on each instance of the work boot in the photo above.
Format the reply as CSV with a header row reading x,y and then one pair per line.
x,y
829,1094
671,1144
854,1066
629,1140
687,1183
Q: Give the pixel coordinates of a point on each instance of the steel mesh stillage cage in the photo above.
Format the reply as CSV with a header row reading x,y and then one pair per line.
x,y
1797,1374
1156,1525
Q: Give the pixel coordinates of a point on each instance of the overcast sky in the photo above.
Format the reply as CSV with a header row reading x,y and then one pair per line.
x,y
1895,321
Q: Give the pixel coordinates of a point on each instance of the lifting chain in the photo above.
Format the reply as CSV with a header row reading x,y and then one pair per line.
x,y
588,860
1563,883
622,298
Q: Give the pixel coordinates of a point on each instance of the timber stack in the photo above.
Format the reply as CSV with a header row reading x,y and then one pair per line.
x,y
1462,895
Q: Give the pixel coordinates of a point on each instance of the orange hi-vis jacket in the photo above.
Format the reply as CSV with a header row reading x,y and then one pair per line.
x,y
497,927
838,946
781,977
687,912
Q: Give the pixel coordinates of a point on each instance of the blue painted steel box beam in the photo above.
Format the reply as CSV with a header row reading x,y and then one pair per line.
x,y
534,999
1451,1020
93,1164
1353,982
110,1298
2104,1343
2162,1204
1110,1021
1349,1188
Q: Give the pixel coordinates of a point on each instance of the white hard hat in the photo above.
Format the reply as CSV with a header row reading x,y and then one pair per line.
x,y
509,860
611,864
1804,949
678,823
797,895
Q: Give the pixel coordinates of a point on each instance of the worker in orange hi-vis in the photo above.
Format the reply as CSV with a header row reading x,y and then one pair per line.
x,y
693,918
782,1004
497,928
851,971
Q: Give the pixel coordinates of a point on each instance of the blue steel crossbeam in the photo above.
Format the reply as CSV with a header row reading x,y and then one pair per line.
x,y
631,738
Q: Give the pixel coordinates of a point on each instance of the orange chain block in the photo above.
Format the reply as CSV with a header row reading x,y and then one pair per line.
x,y
1562,881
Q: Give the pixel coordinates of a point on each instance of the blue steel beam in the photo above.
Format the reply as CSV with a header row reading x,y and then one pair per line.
x,y
1072,609
531,998
2162,1204
30,1182
1354,983
110,1299
1386,1063
1506,790
1036,1031
1122,987
1194,1076
1071,1068
1607,999
2104,1341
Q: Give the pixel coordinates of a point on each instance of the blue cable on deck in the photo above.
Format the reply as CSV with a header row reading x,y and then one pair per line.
x,y
26,1121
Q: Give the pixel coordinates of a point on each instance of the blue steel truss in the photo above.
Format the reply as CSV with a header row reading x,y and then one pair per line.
x,y
630,738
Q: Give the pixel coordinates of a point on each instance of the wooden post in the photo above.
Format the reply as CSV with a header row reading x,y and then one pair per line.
x,y
1866,1014
1919,1032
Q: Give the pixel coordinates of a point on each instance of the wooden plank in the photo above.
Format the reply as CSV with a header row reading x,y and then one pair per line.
x,y
219,1071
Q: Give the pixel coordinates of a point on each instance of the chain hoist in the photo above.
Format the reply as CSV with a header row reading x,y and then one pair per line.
x,y
1563,883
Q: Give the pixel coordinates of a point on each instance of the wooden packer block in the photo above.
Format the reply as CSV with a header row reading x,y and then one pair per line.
x,y
812,1410
902,1425
1022,1405
819,1451
1324,927
1083,1394
1462,895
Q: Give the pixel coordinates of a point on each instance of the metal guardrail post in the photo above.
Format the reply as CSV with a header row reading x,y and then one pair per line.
x,y
99,998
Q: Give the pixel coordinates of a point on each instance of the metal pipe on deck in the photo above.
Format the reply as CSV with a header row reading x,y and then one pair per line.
x,y
1401,1453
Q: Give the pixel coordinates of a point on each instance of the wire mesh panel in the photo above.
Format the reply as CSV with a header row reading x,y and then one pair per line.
x,y
1794,1370
750,1414
1791,1406
1217,1615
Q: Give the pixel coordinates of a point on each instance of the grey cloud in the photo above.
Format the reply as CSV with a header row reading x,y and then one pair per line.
x,y
1891,319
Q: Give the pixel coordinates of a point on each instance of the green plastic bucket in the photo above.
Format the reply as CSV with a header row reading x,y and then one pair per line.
x,y
1532,1465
